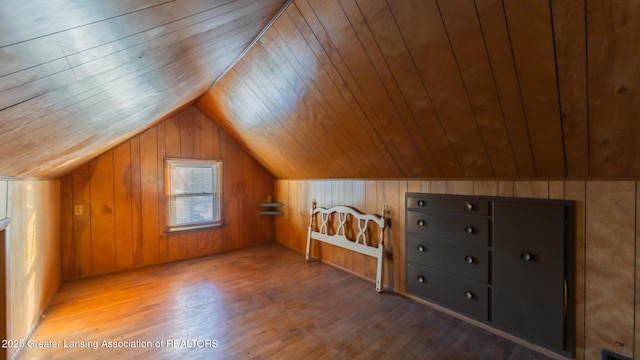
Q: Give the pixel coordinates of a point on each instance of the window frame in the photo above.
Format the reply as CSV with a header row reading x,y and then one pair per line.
x,y
171,224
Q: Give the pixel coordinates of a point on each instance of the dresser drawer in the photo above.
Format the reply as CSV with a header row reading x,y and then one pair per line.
x,y
474,230
451,204
464,295
469,261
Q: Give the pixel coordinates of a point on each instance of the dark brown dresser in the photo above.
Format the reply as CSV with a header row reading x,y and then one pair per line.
x,y
507,262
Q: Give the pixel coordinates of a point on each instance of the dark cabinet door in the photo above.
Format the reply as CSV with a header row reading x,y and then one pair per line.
x,y
528,270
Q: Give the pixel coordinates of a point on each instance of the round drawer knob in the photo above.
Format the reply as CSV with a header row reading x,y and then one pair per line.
x,y
468,259
526,256
421,203
468,229
421,248
422,223
468,294
421,279
468,206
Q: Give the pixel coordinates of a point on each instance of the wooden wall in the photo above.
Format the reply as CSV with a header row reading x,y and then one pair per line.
x,y
606,242
121,197
33,237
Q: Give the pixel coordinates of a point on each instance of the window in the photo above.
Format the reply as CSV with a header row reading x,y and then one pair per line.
x,y
193,193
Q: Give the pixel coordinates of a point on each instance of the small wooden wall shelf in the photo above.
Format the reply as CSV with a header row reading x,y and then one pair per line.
x,y
271,208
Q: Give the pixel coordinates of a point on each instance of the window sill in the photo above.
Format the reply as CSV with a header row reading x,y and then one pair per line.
x,y
181,229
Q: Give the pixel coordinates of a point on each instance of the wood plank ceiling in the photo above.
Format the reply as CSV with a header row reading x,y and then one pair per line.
x,y
78,77
440,89
335,88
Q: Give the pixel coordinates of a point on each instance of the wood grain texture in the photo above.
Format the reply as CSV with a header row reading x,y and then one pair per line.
x,y
610,265
531,189
103,246
151,185
532,40
498,46
441,77
460,187
122,194
33,253
124,66
612,137
3,198
426,89
81,199
571,57
66,225
228,298
461,20
485,188
401,89
122,206
506,188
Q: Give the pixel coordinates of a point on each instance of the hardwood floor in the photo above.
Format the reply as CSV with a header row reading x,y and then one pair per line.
x,y
264,302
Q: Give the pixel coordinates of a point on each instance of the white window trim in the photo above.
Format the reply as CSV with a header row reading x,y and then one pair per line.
x,y
170,163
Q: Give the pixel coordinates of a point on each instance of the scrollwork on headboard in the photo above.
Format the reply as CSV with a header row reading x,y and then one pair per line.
x,y
340,238
343,212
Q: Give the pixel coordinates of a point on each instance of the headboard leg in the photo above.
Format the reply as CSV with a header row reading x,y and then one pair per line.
x,y
379,268
306,256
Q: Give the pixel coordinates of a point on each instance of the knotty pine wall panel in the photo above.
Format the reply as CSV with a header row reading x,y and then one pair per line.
x,y
33,251
610,248
102,214
605,238
120,199
123,206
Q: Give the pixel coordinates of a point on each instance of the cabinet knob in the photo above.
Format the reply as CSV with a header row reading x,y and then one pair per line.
x,y
421,248
526,256
468,229
468,206
468,259
421,223
421,279
421,203
468,294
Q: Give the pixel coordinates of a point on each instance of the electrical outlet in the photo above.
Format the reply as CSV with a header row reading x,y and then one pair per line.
x,y
77,210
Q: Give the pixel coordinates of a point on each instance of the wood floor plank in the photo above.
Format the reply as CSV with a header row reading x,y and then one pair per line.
x,y
264,302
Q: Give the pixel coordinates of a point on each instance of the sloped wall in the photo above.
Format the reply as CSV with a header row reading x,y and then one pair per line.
x,y
33,249
606,242
113,207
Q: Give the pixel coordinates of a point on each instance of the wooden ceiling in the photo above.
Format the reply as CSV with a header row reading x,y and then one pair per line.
x,y
335,88
78,77
440,89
